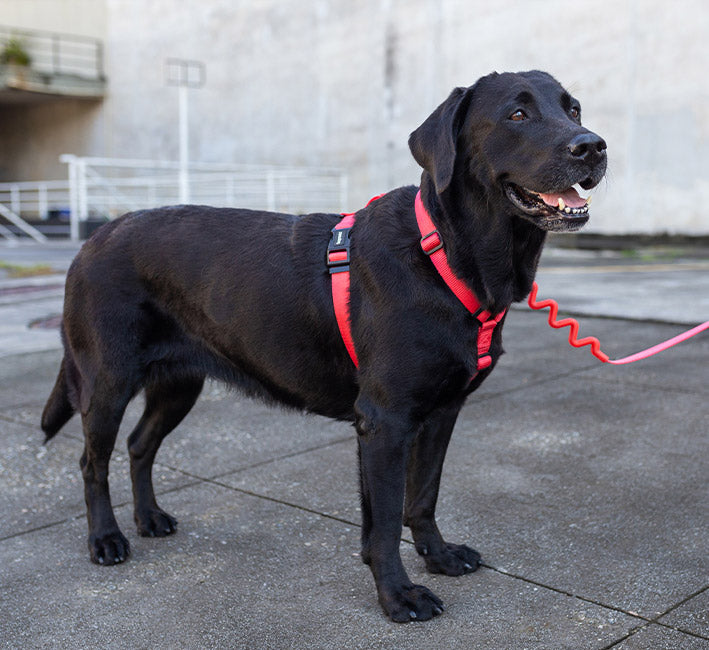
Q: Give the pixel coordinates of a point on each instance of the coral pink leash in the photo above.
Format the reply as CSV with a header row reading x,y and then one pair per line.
x,y
594,342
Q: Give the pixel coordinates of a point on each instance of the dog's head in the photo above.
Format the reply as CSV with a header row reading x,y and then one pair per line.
x,y
519,136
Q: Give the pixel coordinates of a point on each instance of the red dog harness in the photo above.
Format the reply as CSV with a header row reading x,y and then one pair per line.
x,y
338,262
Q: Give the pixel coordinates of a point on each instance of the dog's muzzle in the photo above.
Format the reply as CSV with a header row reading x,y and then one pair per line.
x,y
554,211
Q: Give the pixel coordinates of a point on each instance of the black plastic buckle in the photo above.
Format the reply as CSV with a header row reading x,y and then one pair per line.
x,y
437,247
339,243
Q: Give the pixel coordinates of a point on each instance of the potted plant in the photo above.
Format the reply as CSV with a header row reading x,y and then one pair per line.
x,y
14,53
15,56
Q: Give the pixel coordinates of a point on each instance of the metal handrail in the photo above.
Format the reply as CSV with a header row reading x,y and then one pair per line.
x,y
21,224
34,198
142,163
108,187
59,54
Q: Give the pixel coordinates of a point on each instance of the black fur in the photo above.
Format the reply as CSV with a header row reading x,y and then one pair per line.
x,y
160,299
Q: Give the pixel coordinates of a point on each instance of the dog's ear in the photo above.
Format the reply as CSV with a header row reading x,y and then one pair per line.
x,y
433,144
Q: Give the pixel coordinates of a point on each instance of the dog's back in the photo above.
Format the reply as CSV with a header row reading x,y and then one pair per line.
x,y
192,291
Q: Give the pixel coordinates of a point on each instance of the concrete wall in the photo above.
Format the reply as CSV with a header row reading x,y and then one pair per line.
x,y
78,17
342,83
32,137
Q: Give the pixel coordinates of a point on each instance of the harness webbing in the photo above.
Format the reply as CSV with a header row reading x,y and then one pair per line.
x,y
432,245
338,262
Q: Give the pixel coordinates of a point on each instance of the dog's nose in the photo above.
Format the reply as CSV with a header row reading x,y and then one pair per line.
x,y
588,146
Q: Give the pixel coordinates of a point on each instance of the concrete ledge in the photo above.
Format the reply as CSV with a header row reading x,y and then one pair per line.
x,y
23,85
697,246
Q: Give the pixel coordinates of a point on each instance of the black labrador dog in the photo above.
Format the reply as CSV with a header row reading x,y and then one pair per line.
x,y
160,299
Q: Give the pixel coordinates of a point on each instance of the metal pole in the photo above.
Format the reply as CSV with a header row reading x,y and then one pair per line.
x,y
42,204
184,147
70,160
184,74
56,55
82,187
15,202
99,60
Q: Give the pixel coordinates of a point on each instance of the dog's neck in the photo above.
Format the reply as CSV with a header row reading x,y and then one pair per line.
x,y
495,254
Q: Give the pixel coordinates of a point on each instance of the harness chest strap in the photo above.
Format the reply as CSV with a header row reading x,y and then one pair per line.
x,y
338,259
338,262
432,245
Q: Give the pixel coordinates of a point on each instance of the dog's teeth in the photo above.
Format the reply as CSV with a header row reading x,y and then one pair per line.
x,y
562,205
588,200
567,210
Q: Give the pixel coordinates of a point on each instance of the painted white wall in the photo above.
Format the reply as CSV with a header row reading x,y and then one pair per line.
x,y
342,83
78,17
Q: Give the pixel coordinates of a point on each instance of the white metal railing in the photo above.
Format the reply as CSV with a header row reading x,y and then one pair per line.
x,y
31,200
16,221
35,200
58,54
105,188
109,187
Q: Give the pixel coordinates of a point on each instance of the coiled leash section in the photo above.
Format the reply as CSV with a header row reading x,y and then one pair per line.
x,y
596,351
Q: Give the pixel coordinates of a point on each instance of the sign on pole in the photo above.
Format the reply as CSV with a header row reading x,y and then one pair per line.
x,y
184,74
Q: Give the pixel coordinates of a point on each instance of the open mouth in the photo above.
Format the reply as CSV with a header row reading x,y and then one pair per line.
x,y
565,210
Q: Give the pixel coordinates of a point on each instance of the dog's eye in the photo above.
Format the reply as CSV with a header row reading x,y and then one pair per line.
x,y
575,112
518,116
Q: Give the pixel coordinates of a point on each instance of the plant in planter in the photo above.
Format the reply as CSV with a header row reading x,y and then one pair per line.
x,y
14,53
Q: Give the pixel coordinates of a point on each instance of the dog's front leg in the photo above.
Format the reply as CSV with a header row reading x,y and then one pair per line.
x,y
422,482
384,439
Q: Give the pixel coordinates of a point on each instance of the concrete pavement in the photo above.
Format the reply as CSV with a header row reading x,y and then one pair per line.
x,y
583,485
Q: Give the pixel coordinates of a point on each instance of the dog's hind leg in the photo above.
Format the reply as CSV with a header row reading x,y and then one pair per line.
x,y
101,421
422,483
166,404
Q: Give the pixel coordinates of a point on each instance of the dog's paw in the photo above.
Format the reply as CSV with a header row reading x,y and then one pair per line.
x,y
155,523
108,549
412,603
451,559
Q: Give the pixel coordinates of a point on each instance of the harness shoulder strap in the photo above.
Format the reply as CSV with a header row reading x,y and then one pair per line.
x,y
432,245
338,263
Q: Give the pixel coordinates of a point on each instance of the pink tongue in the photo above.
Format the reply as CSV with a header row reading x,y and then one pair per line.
x,y
571,198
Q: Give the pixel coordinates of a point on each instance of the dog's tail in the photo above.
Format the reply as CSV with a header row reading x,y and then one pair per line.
x,y
59,408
